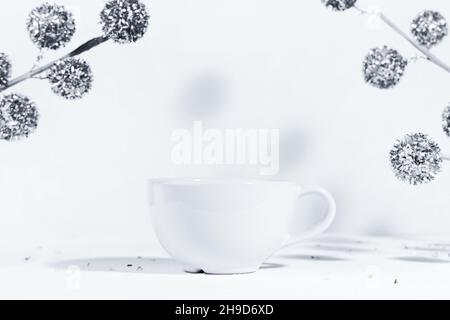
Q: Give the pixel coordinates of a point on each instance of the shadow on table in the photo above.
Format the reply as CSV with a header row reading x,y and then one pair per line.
x,y
331,250
317,258
343,248
421,259
134,265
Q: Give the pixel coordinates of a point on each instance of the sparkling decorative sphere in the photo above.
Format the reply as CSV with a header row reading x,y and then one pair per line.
x,y
339,5
5,70
429,28
416,159
18,117
124,21
51,26
384,67
70,78
446,120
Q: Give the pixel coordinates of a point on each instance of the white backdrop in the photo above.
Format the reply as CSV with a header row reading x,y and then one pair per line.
x,y
284,64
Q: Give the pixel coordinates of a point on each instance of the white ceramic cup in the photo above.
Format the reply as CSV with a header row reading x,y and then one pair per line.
x,y
223,226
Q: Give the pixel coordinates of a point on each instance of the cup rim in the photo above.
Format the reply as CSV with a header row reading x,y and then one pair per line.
x,y
218,181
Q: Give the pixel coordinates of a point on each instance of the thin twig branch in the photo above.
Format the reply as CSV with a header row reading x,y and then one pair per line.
x,y
428,54
36,71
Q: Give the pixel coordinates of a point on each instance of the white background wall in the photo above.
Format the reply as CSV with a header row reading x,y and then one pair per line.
x,y
285,64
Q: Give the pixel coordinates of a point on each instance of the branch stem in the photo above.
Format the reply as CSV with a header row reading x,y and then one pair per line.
x,y
36,71
445,157
427,53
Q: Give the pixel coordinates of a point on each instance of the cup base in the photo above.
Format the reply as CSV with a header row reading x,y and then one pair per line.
x,y
222,271
192,270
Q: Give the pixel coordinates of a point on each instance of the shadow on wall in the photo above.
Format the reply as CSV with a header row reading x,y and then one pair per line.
x,y
293,150
204,96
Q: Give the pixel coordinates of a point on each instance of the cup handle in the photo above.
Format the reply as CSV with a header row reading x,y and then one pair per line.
x,y
321,226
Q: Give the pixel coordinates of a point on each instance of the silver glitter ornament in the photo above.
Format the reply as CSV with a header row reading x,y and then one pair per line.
x,y
70,78
51,26
124,21
384,67
446,120
339,5
429,28
18,117
5,70
416,159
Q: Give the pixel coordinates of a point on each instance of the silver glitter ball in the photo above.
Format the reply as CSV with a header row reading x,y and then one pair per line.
x,y
429,28
51,26
446,120
416,159
18,117
5,70
339,5
384,67
70,78
124,21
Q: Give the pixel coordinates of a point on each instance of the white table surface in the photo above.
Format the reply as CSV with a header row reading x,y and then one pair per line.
x,y
330,267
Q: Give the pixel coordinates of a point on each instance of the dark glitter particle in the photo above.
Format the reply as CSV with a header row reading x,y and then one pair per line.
x,y
429,28
18,117
51,26
446,120
5,70
71,78
416,159
384,67
124,21
339,5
